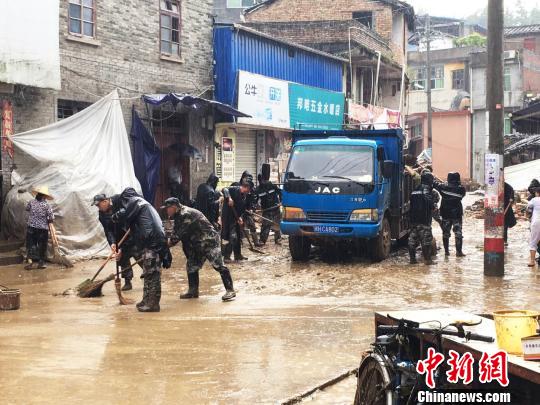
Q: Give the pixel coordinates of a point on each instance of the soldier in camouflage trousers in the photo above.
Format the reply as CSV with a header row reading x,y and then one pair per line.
x,y
200,242
421,214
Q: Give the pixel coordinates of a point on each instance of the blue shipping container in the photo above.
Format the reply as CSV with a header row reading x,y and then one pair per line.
x,y
239,49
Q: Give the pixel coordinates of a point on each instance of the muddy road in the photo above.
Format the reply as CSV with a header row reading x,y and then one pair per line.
x,y
292,326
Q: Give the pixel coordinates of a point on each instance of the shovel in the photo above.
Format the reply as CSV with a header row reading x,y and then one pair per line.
x,y
93,288
58,257
276,225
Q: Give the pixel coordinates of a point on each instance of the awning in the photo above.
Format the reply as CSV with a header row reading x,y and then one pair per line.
x,y
527,120
192,102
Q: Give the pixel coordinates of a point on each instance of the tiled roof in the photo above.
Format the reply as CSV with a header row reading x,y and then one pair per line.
x,y
522,30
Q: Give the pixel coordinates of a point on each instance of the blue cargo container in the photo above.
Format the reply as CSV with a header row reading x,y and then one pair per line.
x,y
240,48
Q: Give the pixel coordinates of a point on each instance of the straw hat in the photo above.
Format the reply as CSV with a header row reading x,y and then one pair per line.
x,y
42,190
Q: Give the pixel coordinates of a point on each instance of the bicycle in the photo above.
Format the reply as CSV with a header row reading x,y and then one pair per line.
x,y
388,376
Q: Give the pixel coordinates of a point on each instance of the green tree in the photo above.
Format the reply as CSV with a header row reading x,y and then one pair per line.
x,y
471,40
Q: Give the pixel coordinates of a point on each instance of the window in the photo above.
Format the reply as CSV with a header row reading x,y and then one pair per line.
x,y
507,126
507,79
170,27
419,78
417,131
67,108
241,3
82,17
458,79
364,17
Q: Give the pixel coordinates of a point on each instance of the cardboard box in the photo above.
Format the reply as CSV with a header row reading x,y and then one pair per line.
x,y
531,347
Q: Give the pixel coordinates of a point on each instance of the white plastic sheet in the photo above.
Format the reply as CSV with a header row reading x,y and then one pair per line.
x,y
29,44
520,176
76,158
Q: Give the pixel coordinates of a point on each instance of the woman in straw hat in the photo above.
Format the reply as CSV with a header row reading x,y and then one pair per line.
x,y
37,233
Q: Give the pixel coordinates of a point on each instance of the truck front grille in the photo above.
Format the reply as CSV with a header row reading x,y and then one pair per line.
x,y
327,216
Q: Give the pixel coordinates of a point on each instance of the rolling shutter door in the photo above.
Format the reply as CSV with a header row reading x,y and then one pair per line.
x,y
246,153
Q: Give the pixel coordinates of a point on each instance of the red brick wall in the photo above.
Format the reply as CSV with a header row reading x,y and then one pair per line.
x,y
531,71
309,10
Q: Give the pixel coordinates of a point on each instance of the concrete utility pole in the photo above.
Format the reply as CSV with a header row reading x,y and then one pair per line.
x,y
428,81
494,170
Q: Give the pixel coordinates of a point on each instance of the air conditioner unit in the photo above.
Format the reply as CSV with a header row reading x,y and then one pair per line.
x,y
509,55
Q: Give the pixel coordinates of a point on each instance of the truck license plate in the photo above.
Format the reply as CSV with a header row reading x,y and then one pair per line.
x,y
326,229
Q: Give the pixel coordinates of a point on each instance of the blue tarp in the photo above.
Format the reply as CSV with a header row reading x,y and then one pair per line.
x,y
146,157
192,102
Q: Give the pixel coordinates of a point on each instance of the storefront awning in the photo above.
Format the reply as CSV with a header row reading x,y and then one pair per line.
x,y
527,120
192,102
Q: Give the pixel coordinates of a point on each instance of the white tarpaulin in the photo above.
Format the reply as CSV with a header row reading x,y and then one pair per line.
x,y
76,158
520,176
29,47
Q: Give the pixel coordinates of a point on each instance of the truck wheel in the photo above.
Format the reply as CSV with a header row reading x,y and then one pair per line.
x,y
300,247
380,246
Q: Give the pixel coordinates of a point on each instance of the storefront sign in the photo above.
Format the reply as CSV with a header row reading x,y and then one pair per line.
x,y
265,99
314,108
7,127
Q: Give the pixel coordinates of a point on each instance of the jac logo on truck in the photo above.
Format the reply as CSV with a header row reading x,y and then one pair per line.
x,y
328,190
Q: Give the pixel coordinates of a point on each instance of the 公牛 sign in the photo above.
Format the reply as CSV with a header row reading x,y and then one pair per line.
x,y
265,99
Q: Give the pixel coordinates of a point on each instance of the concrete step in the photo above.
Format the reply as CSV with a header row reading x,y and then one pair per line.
x,y
10,245
10,258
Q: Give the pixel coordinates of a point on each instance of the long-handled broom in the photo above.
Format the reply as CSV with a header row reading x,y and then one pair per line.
x,y
118,287
93,289
58,257
88,282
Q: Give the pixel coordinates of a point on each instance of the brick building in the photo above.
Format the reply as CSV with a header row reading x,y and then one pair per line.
x,y
359,30
139,47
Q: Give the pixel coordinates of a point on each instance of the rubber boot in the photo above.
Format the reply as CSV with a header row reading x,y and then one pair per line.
x,y
240,257
127,285
154,293
412,256
145,295
41,265
256,242
428,259
193,287
230,294
446,243
459,248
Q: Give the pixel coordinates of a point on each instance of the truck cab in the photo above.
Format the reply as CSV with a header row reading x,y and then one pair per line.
x,y
345,186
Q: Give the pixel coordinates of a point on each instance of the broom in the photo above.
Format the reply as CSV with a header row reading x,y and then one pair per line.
x,y
88,282
93,289
58,257
118,286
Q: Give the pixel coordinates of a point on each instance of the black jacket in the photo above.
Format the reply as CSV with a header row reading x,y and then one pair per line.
x,y
422,204
144,221
451,194
509,218
207,200
269,194
228,216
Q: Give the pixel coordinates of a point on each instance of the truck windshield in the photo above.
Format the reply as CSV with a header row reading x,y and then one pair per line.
x,y
326,162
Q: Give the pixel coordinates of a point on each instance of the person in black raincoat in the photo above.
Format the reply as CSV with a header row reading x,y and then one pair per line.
x,y
452,192
107,206
147,230
270,197
234,207
509,217
207,200
251,205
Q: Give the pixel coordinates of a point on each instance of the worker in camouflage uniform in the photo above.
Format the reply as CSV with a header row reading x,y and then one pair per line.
x,y
147,231
270,196
107,206
422,204
452,192
201,242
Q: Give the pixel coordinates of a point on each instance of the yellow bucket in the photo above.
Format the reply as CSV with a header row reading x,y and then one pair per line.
x,y
511,326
